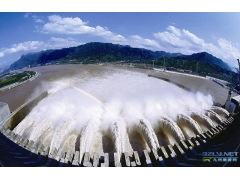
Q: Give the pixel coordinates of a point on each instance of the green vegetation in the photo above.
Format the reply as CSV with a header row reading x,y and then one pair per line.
x,y
10,79
88,53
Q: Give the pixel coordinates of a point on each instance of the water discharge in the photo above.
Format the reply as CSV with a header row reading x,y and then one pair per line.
x,y
146,130
214,116
171,130
125,107
220,111
204,121
118,131
189,126
88,136
61,133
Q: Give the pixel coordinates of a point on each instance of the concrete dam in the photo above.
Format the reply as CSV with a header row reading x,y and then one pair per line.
x,y
110,116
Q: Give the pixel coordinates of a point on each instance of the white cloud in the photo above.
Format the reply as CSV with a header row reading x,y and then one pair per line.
x,y
138,41
115,38
28,46
76,26
27,15
37,19
1,54
193,39
67,25
25,46
176,40
57,43
175,31
183,41
228,51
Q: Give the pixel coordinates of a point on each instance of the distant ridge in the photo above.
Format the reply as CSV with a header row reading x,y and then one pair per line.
x,y
206,57
107,52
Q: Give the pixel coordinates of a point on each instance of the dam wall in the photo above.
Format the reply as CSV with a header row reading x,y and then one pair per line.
x,y
19,114
169,80
4,111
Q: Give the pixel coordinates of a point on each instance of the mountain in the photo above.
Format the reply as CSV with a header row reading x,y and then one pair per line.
x,y
89,53
206,57
28,59
107,52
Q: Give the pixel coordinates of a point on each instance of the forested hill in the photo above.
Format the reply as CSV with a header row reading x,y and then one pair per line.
x,y
95,52
90,52
206,57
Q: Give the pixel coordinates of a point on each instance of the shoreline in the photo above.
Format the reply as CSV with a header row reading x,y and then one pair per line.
x,y
16,84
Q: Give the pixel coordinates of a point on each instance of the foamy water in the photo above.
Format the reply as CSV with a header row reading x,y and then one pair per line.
x,y
119,105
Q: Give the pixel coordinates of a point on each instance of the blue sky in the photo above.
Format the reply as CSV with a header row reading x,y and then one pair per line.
x,y
217,33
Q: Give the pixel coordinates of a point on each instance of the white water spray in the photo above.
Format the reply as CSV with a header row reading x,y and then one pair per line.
x,y
88,136
146,130
169,127
25,126
118,131
61,133
202,120
42,128
220,111
87,107
214,117
188,120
